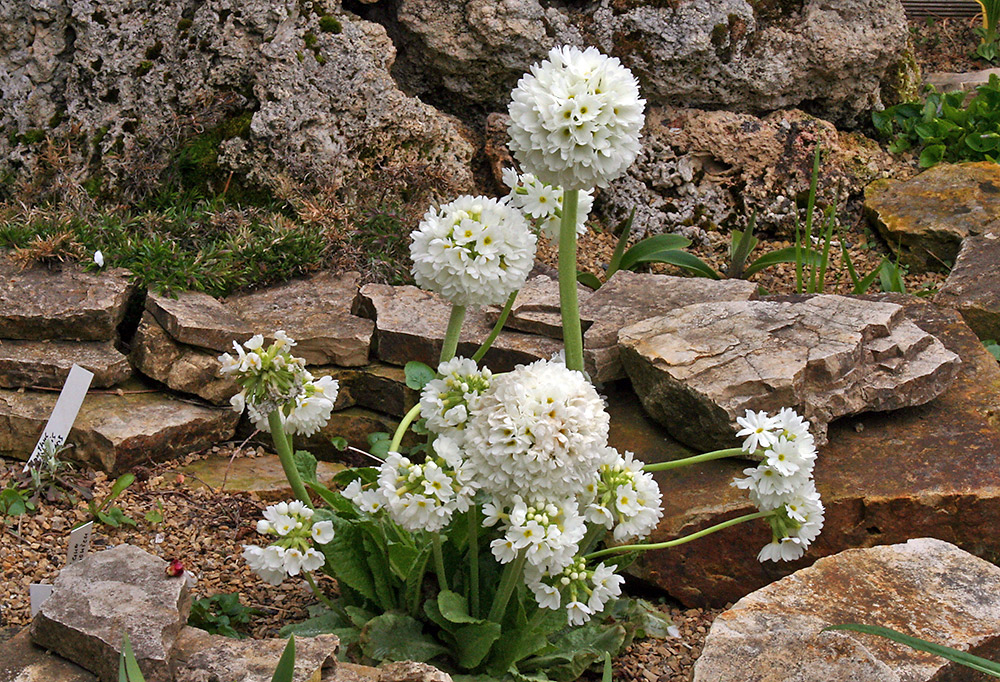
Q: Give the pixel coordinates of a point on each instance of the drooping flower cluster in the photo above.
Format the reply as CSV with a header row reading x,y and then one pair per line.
x,y
624,498
543,203
549,534
473,251
576,118
275,380
445,403
585,591
293,551
782,483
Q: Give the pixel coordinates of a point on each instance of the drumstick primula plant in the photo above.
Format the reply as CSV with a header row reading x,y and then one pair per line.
x,y
495,547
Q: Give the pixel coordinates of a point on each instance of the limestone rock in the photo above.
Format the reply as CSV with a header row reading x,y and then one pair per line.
x,y
841,61
410,325
316,312
262,476
96,600
200,656
536,308
278,96
926,588
925,471
926,217
412,671
22,661
630,297
47,363
115,431
376,386
62,304
182,368
197,319
698,368
973,285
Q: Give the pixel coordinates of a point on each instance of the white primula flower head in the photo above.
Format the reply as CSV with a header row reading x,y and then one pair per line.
x,y
419,496
576,119
539,431
543,203
473,251
445,403
624,497
271,379
585,592
294,534
548,533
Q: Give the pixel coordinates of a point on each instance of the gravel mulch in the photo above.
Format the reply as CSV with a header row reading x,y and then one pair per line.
x,y
946,44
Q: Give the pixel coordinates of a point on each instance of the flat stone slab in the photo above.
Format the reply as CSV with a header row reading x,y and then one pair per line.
x,y
96,600
925,588
376,386
262,476
180,367
22,661
316,312
698,368
116,430
926,471
24,364
926,217
410,324
200,656
973,285
630,297
197,319
67,303
536,309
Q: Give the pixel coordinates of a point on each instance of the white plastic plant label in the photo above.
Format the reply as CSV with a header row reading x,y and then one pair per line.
x,y
64,414
38,593
79,543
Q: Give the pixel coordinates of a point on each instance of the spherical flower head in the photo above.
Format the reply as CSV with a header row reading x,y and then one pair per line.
x,y
543,203
576,119
539,431
473,251
445,402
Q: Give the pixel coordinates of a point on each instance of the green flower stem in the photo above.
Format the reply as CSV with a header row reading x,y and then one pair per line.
x,y
679,541
696,459
439,561
572,334
397,437
474,560
318,592
504,314
512,572
450,344
287,458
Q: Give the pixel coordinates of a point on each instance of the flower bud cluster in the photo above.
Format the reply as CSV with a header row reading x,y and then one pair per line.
x,y
584,591
293,551
543,203
549,533
624,497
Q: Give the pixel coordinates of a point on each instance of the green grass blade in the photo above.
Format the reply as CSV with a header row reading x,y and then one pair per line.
x,y
831,218
128,666
955,656
810,208
789,254
689,262
852,273
625,227
641,251
286,664
742,245
862,286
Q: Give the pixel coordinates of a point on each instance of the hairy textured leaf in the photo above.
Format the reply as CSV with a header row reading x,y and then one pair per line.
x,y
398,637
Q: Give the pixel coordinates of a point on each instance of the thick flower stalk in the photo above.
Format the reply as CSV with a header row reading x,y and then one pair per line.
x,y
445,403
544,203
473,251
624,497
576,118
293,550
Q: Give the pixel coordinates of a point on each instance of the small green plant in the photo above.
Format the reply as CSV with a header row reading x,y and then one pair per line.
x,y
14,502
943,127
987,48
220,614
993,347
104,512
52,478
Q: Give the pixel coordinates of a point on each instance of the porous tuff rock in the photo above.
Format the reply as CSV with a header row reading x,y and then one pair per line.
x,y
261,476
96,600
199,656
197,319
66,303
47,363
925,588
885,477
973,285
410,324
179,367
115,431
841,60
630,297
130,82
926,217
22,661
698,368
536,309
316,312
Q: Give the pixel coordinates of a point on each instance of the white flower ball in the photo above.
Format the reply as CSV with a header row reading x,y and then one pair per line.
x,y
575,119
539,432
473,251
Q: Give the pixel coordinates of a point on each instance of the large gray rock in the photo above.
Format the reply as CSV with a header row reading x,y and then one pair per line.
x,y
268,87
96,600
410,324
925,588
47,363
67,303
973,285
197,319
841,60
180,367
630,297
116,430
700,367
316,312
22,661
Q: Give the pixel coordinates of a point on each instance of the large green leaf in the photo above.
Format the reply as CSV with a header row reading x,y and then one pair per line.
x,y
519,643
286,664
588,280
334,499
788,254
932,155
648,249
577,650
128,667
305,464
398,637
345,555
474,641
381,576
689,262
